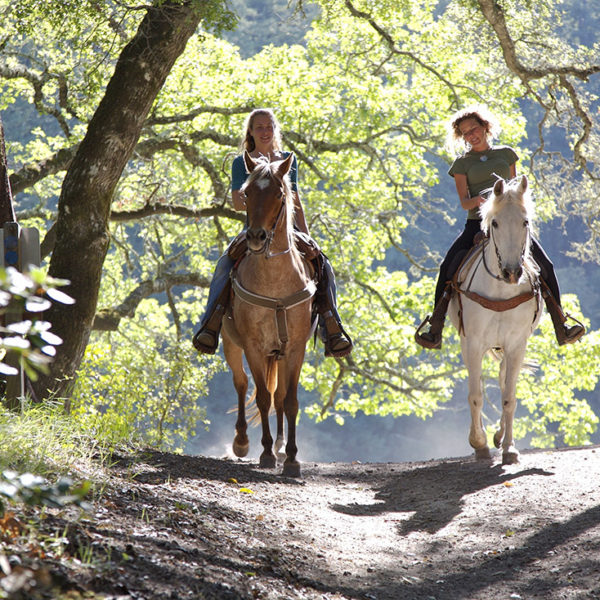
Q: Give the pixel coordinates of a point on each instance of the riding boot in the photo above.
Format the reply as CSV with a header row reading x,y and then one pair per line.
x,y
335,339
565,334
337,342
432,338
206,339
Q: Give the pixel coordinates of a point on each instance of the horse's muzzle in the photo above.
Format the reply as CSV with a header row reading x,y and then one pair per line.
x,y
256,239
512,274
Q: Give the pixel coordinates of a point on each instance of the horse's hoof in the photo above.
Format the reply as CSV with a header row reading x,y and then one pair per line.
x,y
267,461
291,469
240,448
510,457
483,453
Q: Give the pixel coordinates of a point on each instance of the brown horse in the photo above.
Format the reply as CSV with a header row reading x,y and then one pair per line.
x,y
270,316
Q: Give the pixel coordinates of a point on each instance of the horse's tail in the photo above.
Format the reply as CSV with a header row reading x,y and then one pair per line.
x,y
530,365
253,414
272,370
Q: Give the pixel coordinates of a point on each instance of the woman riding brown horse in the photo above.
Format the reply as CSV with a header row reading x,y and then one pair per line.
x,y
269,320
262,138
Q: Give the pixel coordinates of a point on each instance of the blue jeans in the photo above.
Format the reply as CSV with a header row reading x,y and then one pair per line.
x,y
217,284
326,288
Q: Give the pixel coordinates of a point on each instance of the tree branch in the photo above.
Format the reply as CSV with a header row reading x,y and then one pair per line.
x,y
108,319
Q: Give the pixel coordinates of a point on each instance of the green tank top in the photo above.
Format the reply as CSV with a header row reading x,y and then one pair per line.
x,y
483,169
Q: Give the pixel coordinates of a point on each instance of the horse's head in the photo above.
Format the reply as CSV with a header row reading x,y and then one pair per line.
x,y
266,193
506,217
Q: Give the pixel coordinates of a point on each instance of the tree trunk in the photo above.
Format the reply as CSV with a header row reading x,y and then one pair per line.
x,y
82,235
7,211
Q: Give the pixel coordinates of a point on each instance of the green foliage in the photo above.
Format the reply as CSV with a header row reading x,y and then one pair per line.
x,y
28,343
138,386
556,416
33,490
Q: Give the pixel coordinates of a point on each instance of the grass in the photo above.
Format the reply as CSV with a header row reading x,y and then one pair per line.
x,y
42,439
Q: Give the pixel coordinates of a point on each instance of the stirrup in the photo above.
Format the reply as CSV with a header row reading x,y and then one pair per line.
x,y
430,342
340,352
206,341
570,334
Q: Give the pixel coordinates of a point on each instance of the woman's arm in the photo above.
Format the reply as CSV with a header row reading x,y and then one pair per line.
x,y
238,200
299,218
462,188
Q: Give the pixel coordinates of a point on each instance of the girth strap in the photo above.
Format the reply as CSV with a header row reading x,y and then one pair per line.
x,y
279,305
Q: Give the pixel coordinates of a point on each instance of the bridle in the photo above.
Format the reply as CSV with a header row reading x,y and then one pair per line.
x,y
499,257
266,247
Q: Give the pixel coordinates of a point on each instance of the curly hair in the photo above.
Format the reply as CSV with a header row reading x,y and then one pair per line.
x,y
247,142
481,114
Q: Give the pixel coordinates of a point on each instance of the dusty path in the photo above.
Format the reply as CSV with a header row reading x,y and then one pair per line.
x,y
171,526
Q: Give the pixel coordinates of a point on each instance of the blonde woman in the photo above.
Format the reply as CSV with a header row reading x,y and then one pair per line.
x,y
262,137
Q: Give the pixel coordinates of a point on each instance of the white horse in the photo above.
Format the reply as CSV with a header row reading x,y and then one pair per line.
x,y
498,306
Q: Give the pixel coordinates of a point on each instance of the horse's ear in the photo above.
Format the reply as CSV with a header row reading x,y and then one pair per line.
x,y
249,162
285,165
523,184
499,187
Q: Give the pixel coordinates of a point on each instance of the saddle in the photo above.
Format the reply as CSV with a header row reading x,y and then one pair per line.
x,y
466,266
304,243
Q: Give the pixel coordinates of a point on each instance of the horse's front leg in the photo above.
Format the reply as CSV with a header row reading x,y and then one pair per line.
x,y
263,375
510,455
263,402
233,355
291,467
477,438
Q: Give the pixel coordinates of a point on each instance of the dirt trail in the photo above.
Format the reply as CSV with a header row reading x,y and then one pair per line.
x,y
172,526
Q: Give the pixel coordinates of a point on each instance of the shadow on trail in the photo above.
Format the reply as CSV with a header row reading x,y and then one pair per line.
x,y
155,468
506,569
433,493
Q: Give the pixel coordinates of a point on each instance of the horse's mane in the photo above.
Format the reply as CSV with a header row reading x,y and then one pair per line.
x,y
491,207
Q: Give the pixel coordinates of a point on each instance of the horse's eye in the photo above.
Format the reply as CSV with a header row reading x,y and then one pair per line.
x,y
526,223
494,224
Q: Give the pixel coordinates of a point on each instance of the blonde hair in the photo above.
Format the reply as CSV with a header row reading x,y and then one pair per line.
x,y
454,137
247,141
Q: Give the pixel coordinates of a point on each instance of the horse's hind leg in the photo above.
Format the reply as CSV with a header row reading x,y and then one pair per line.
x,y
280,439
499,435
233,355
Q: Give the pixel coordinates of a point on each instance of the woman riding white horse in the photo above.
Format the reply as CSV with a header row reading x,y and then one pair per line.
x,y
497,306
